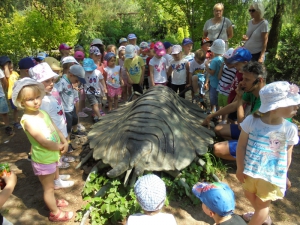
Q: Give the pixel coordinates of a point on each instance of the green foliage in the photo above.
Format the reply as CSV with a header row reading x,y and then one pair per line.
x,y
180,35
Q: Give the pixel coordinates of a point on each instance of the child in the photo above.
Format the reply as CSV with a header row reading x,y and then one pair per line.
x,y
123,42
79,56
187,45
126,88
24,65
54,64
64,51
92,88
4,77
114,80
168,46
48,143
226,77
213,68
218,202
111,48
205,46
150,56
144,49
135,68
178,70
197,77
132,39
158,66
264,150
150,192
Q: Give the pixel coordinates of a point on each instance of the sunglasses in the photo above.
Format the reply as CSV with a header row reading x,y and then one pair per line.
x,y
252,10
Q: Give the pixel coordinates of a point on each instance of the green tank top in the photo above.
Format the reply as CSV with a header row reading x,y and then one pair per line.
x,y
39,153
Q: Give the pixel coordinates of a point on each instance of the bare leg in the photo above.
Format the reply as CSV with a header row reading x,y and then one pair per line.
x,y
5,119
124,93
116,101
56,174
15,116
110,102
96,109
221,150
223,130
195,84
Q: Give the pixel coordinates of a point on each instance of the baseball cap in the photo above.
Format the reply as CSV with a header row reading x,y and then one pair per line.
x,y
53,63
150,192
4,59
64,46
176,49
121,48
89,64
122,40
79,55
26,63
78,71
42,72
159,49
95,50
228,53
130,51
218,47
239,55
69,59
97,41
187,41
144,44
78,48
41,55
108,56
277,95
205,40
167,45
151,45
218,197
131,36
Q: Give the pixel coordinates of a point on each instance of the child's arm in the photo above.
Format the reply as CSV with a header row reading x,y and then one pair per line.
x,y
128,76
188,75
120,77
103,85
151,69
210,71
169,72
289,155
10,182
240,155
221,71
142,76
63,140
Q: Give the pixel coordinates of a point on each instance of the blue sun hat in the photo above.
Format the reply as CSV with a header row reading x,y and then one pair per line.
x,y
108,56
89,65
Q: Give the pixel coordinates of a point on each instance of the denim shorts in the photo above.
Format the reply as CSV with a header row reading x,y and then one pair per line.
x,y
43,169
213,96
3,105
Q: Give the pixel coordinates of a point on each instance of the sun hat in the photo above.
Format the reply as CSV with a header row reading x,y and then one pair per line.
x,y
42,72
64,46
78,48
4,59
79,55
121,48
277,95
78,71
187,41
97,41
228,53
176,49
131,36
41,55
108,56
205,40
159,49
95,50
19,84
218,47
218,197
69,59
26,63
122,40
53,63
130,51
240,55
167,45
150,192
89,65
144,44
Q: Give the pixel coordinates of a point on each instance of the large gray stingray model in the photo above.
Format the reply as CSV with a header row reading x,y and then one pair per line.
x,y
157,132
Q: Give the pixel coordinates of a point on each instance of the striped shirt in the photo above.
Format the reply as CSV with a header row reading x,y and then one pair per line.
x,y
226,80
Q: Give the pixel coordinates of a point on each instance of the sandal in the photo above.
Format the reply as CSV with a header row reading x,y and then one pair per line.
x,y
68,159
67,215
63,165
247,216
61,203
82,114
102,113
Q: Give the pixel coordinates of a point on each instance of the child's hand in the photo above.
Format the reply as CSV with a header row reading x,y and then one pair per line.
x,y
206,86
64,148
207,120
10,180
240,176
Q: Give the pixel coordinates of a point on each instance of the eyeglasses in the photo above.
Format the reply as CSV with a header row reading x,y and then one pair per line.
x,y
252,10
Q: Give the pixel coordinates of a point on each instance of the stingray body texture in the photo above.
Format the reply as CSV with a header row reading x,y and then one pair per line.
x,y
159,131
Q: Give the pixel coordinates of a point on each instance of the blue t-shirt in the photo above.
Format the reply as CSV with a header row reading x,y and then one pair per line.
x,y
215,65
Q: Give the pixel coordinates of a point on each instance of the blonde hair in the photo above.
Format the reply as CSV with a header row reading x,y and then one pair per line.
x,y
259,7
219,5
200,54
110,47
66,67
37,90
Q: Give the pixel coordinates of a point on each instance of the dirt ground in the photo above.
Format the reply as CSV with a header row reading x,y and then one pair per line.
x,y
26,205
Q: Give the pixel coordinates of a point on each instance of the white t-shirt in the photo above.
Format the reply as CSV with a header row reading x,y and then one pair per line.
x,y
190,57
156,219
196,68
56,112
215,29
179,72
92,85
159,69
113,76
169,59
2,76
228,75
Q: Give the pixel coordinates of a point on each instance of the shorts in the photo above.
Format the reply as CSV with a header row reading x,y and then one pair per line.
x,y
93,99
235,131
232,147
3,105
213,96
262,189
13,107
137,88
232,116
43,169
180,87
113,92
72,119
255,57
163,84
222,100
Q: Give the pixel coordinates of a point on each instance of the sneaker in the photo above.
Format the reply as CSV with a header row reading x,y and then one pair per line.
x,y
58,184
86,109
64,176
102,113
29,157
80,127
82,114
78,133
63,165
9,131
96,120
17,125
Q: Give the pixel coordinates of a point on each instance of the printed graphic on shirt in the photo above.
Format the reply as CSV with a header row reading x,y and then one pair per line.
x,y
178,67
135,70
160,67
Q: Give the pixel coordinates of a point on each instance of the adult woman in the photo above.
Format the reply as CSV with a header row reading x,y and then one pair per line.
x,y
257,33
218,27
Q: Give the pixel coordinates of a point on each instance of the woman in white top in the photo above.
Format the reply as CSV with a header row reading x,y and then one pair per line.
x,y
257,33
218,27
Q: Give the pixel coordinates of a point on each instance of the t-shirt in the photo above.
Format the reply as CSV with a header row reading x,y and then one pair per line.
x,y
169,59
266,151
237,79
214,29
134,67
113,76
147,64
190,57
255,42
13,77
226,80
2,76
179,72
92,85
66,92
157,219
159,69
215,65
253,100
198,69
123,70
56,112
234,220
